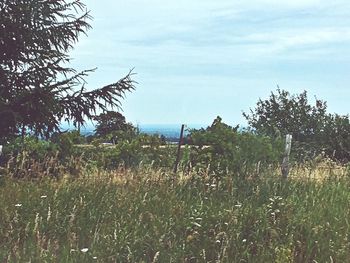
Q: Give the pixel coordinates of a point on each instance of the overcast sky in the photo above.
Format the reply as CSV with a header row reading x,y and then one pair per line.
x,y
196,59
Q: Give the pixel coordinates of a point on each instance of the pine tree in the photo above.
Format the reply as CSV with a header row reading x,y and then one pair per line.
x,y
38,89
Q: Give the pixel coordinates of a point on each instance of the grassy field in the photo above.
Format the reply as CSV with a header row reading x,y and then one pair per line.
x,y
152,216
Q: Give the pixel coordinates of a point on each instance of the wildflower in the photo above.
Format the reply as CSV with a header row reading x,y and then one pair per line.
x,y
36,222
18,205
43,196
190,238
48,214
94,257
84,250
156,256
196,224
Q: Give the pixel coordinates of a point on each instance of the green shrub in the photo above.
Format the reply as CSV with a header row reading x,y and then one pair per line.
x,y
34,148
221,147
143,149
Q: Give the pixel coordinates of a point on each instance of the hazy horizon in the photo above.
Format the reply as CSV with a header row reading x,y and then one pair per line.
x,y
90,125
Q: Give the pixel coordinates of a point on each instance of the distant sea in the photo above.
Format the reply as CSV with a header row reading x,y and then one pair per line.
x,y
168,130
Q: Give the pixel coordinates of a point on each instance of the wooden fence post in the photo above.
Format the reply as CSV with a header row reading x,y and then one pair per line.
x,y
0,159
179,148
285,162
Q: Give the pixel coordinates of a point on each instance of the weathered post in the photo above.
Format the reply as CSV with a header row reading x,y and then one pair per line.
x,y
0,159
179,148
285,162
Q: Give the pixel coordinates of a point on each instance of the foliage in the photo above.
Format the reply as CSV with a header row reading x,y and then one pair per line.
x,y
36,149
283,113
113,125
142,149
34,158
336,139
223,147
129,151
314,131
65,142
37,89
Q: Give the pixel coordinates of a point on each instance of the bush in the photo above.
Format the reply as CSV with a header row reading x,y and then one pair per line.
x,y
35,148
30,157
145,149
65,142
222,147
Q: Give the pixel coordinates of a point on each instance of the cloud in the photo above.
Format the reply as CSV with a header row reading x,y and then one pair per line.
x,y
203,45
253,28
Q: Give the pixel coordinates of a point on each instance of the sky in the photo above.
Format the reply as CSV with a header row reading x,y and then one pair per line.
x,y
198,59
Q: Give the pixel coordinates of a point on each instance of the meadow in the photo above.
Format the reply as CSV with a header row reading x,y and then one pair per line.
x,y
150,215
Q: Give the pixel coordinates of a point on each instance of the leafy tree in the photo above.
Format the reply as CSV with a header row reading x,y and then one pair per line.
x,y
38,89
336,139
315,132
108,122
283,113
113,125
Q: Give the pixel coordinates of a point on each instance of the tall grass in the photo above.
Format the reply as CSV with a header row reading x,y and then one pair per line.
x,y
155,216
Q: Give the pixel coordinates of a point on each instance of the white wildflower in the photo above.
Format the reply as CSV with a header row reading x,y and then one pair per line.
x,y
196,224
156,256
48,214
